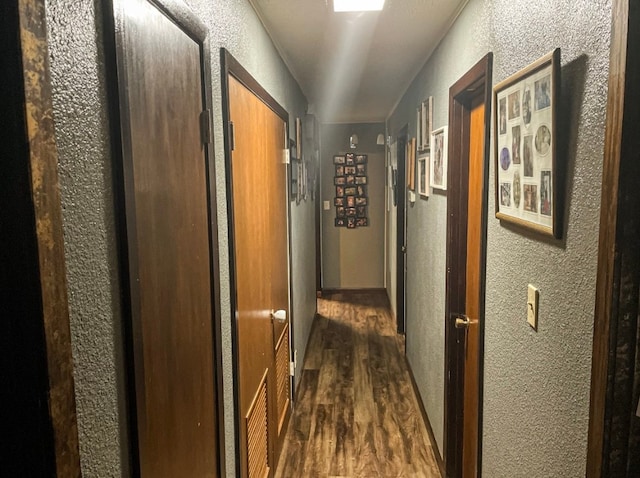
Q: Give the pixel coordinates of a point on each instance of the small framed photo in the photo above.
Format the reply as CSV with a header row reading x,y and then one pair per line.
x,y
340,222
361,211
350,170
361,159
351,223
339,191
350,159
350,211
426,123
411,164
525,138
361,170
419,127
350,179
362,180
337,159
349,191
341,211
338,201
361,190
351,201
438,160
423,175
362,222
339,180
361,201
339,170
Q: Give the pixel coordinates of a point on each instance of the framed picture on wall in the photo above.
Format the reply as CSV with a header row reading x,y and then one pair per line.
x,y
339,159
525,138
292,170
419,127
426,123
438,160
411,164
299,138
423,175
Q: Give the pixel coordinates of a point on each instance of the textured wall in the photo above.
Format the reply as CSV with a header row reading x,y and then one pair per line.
x,y
80,115
353,258
77,64
536,398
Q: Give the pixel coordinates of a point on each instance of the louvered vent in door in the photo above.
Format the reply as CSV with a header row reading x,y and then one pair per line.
x,y
257,437
282,376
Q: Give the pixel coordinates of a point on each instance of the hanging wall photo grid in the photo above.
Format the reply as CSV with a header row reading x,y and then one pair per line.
x,y
351,183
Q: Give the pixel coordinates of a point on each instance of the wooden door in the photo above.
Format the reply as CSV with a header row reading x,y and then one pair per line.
x,y
466,247
473,291
261,273
169,241
401,253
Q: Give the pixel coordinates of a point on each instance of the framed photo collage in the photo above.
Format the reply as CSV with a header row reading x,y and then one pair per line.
x,y
351,183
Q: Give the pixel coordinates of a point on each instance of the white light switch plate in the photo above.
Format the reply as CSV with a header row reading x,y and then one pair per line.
x,y
532,306
326,205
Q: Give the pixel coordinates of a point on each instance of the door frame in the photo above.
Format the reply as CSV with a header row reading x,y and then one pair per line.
x,y
125,221
39,257
402,138
231,66
620,198
473,85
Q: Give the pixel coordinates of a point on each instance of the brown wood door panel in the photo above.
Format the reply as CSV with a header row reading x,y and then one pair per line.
x,y
473,291
169,244
260,243
469,111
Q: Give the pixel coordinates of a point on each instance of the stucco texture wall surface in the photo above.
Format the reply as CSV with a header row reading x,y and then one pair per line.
x,y
536,384
81,119
82,134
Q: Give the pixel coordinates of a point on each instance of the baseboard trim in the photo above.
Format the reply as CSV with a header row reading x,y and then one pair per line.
x,y
346,289
427,422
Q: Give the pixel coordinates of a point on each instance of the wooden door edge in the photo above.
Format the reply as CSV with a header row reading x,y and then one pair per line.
x,y
476,83
43,159
608,241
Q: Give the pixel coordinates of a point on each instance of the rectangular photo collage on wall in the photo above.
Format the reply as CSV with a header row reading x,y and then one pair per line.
x,y
525,139
351,182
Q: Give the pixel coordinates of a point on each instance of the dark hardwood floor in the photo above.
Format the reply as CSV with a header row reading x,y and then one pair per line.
x,y
356,413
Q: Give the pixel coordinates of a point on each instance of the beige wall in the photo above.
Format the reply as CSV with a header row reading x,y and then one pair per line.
x,y
353,258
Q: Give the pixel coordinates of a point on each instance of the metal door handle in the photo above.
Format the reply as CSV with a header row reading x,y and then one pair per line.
x,y
462,321
279,315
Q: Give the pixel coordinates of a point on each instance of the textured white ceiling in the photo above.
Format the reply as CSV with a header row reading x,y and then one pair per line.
x,y
353,67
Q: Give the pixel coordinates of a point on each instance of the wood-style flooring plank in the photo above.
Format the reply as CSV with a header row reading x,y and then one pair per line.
x,y
356,413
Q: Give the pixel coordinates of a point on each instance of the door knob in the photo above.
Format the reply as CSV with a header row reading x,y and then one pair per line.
x,y
462,321
279,315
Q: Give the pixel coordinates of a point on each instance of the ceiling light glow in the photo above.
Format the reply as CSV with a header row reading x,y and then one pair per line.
x,y
357,5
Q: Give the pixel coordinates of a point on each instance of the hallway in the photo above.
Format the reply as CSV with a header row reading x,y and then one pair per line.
x,y
356,412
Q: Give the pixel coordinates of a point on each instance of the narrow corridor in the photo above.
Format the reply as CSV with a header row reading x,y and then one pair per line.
x,y
356,413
